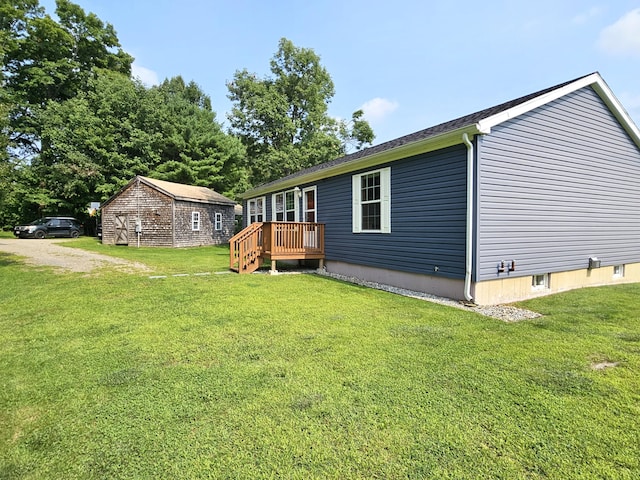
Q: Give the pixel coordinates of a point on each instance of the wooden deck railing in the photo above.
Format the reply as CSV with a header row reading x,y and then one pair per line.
x,y
275,241
245,249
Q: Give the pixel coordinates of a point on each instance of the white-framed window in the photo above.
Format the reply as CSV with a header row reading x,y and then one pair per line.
x,y
540,281
195,221
371,194
218,221
309,205
285,206
618,271
256,209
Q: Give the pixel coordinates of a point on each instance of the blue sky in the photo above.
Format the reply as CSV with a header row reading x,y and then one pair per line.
x,y
409,64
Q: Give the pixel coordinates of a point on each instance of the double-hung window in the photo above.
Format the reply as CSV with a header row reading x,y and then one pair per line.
x,y
195,221
285,206
371,193
256,210
218,221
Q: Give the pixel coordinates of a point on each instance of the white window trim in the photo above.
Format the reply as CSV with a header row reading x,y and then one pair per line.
x,y
218,222
254,201
304,202
296,206
195,221
385,201
620,272
544,285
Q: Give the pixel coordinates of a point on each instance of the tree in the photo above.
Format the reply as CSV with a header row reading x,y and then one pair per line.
x,y
74,127
117,129
44,60
283,119
192,147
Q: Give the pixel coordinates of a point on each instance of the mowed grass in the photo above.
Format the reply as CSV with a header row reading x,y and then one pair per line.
x,y
163,261
116,375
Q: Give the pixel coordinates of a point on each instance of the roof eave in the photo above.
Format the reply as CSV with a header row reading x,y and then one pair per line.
x,y
436,142
594,80
202,200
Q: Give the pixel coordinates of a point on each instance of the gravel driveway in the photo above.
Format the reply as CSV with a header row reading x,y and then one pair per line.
x,y
49,252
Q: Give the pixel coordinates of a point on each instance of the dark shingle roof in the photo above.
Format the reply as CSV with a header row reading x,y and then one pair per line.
x,y
436,130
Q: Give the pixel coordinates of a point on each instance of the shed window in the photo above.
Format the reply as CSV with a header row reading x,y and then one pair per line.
x,y
371,194
195,221
218,224
256,210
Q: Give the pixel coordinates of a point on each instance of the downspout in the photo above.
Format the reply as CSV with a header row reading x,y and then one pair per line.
x,y
469,240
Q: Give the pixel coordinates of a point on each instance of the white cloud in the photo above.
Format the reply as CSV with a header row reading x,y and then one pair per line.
x,y
622,37
146,76
584,17
378,108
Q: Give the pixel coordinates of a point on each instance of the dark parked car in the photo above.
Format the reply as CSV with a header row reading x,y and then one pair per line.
x,y
50,227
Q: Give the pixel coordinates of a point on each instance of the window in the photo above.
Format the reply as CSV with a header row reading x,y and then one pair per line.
x,y
285,206
540,281
195,221
309,204
218,221
256,210
371,193
618,271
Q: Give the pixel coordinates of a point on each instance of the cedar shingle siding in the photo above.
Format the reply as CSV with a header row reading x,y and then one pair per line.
x,y
165,221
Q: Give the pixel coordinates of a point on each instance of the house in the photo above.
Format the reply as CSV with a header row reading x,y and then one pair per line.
x,y
149,212
537,195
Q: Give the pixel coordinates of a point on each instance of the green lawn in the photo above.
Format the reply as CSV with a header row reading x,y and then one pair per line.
x,y
303,377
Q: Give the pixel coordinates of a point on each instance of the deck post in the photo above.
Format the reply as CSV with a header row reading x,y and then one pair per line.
x,y
273,267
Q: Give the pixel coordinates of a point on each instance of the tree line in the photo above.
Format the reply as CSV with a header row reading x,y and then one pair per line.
x,y
75,127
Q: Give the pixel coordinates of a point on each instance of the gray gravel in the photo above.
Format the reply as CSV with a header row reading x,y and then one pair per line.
x,y
49,252
506,313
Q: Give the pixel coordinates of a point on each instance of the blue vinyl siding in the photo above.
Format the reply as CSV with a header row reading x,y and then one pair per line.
x,y
556,186
428,217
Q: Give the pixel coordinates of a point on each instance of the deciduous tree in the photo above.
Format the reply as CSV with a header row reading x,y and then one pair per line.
x,y
283,118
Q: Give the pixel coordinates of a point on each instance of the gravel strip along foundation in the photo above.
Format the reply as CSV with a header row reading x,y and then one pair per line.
x,y
506,313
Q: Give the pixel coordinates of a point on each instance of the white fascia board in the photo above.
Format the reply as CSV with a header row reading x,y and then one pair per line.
x,y
498,118
608,97
594,80
429,144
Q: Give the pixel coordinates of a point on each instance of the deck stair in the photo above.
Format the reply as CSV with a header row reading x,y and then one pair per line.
x,y
264,241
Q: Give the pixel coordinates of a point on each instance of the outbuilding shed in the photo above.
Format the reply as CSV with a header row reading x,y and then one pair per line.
x,y
150,212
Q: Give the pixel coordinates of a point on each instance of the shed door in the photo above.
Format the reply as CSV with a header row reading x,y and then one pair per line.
x,y
122,235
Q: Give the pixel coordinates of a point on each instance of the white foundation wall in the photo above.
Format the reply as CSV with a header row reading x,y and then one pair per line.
x,y
509,290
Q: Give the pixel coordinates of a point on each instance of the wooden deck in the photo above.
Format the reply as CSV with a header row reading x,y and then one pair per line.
x,y
273,241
